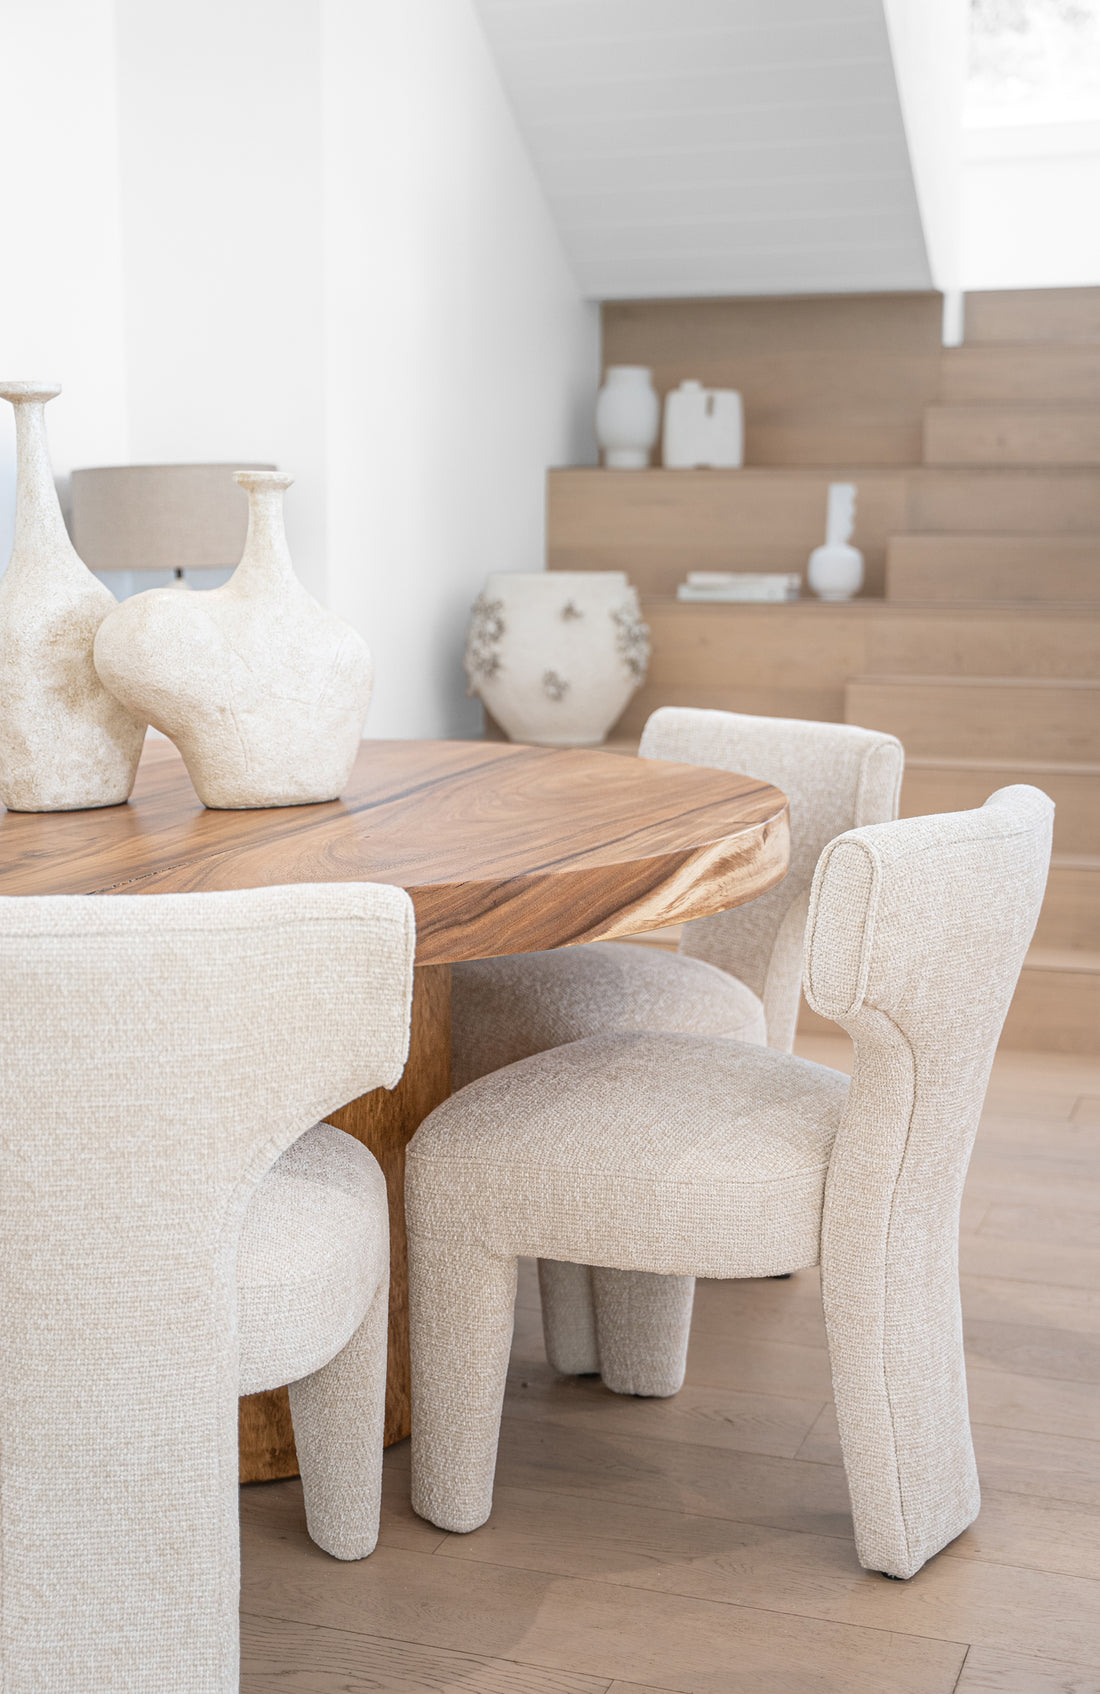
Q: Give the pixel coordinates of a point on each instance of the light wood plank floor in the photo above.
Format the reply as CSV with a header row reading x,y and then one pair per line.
x,y
702,1545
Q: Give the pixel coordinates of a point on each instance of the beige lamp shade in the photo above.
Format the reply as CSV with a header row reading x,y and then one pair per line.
x,y
160,517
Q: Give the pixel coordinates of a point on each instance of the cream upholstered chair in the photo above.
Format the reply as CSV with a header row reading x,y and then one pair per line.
x,y
175,1232
699,1155
736,974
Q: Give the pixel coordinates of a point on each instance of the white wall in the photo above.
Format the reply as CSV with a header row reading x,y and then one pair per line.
x,y
304,231
221,143
1031,197
61,280
461,361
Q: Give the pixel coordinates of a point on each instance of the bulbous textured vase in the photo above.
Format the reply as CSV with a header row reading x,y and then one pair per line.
x,y
556,655
65,742
263,691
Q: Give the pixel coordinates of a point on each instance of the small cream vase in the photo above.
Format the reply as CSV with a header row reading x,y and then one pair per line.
x,y
556,655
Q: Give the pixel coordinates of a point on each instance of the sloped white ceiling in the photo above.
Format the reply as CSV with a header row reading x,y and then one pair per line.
x,y
716,147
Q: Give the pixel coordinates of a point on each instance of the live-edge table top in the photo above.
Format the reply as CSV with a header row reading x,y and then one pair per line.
x,y
502,848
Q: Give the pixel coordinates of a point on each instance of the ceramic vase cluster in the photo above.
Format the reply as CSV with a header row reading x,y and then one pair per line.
x,y
556,655
263,691
704,428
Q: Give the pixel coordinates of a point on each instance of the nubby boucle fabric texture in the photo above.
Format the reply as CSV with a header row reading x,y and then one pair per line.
x,y
688,1155
737,974
165,1231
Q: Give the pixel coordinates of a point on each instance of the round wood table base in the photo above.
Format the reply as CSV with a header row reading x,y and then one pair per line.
x,y
385,1121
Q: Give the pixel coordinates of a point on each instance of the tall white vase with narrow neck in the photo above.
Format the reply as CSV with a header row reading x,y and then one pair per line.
x,y
65,742
263,691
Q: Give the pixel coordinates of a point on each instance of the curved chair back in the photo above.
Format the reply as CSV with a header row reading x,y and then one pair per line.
x,y
835,776
158,1054
916,936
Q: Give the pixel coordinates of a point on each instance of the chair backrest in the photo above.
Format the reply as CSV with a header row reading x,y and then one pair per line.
x,y
157,1054
916,937
835,776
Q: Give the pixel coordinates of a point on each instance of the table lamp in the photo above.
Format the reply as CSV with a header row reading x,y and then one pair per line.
x,y
160,517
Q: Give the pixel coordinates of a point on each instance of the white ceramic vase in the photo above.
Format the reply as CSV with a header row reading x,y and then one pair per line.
x,y
263,691
556,655
628,417
703,428
835,571
65,742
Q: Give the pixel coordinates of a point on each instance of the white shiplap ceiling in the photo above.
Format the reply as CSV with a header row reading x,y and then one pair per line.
x,y
716,147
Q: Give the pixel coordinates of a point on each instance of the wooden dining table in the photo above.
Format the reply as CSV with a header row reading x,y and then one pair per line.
x,y
502,848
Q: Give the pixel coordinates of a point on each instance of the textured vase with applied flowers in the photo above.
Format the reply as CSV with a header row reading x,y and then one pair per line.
x,y
555,656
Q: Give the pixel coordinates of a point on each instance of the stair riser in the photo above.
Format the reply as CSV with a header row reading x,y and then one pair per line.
x,y
1045,374
941,569
997,435
993,721
1055,1011
1033,314
1051,1011
945,789
1071,909
1011,502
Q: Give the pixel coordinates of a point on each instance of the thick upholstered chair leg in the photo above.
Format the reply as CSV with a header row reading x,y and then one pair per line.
x,y
569,1317
461,1316
890,1286
644,1325
339,1416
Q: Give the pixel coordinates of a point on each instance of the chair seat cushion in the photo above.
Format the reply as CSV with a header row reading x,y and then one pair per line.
x,y
313,1250
680,1154
506,1009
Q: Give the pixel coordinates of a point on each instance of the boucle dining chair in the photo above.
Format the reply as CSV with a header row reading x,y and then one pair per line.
x,y
176,1233
737,974
700,1155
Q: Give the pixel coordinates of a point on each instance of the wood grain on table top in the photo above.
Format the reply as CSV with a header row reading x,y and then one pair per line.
x,y
503,848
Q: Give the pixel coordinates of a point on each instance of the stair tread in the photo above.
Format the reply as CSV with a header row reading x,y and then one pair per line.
x,y
1023,405
1086,538
1051,767
866,604
1063,959
902,680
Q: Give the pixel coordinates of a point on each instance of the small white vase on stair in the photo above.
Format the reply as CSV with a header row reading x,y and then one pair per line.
x,y
835,571
263,691
65,742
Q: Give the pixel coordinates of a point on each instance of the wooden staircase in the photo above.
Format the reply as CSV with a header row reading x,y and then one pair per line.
x,y
977,641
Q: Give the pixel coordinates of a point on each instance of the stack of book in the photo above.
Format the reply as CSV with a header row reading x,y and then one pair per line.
x,y
767,587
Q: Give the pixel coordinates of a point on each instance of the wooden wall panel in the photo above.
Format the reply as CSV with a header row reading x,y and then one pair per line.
x,y
826,380
657,525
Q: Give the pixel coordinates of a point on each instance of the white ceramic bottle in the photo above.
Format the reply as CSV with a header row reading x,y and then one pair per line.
x,y
703,428
835,571
65,742
264,692
556,655
628,417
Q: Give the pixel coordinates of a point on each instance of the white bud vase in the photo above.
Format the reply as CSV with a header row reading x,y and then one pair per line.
x,y
628,417
65,743
263,691
556,655
835,571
